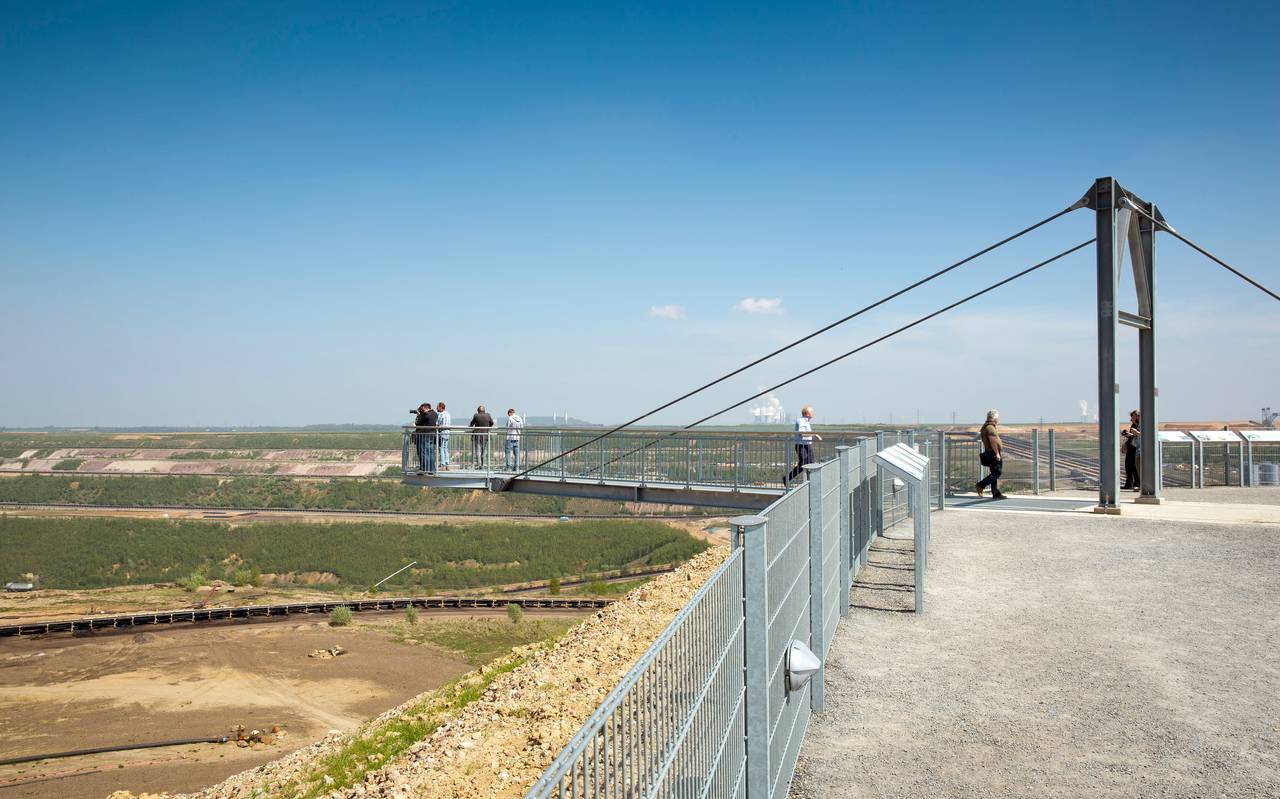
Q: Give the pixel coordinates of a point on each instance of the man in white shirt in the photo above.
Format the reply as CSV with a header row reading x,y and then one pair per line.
x,y
804,439
443,420
514,423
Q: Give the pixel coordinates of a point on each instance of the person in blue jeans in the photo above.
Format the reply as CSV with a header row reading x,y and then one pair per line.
x,y
424,438
442,440
514,424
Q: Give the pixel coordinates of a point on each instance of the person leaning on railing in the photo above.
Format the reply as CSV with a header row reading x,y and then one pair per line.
x,y
480,420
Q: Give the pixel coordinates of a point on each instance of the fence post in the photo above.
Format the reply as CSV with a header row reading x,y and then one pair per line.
x,y
846,528
877,491
1035,460
864,502
1240,457
751,536
942,469
813,473
921,531
1053,461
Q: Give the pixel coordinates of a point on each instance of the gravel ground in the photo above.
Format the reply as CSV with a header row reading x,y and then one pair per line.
x,y
1059,656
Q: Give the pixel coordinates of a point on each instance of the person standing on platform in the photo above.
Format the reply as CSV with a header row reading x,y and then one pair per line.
x,y
803,441
443,419
514,423
480,420
992,455
1132,452
424,437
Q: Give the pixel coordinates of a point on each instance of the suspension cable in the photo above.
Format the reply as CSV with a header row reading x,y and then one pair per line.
x,y
1081,203
839,358
902,329
1165,227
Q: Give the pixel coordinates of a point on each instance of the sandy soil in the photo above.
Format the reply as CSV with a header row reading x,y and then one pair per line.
x,y
61,693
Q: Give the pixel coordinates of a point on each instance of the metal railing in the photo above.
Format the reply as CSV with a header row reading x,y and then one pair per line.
x,y
649,456
713,708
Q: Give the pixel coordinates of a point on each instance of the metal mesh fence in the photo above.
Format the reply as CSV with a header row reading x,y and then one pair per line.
x,y
788,614
674,727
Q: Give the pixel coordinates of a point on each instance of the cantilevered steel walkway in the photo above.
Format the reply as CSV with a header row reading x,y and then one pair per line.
x,y
723,469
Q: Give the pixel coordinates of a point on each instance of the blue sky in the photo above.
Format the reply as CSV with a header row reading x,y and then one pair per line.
x,y
294,213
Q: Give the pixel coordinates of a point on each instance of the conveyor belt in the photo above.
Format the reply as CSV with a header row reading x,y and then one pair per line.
x,y
187,615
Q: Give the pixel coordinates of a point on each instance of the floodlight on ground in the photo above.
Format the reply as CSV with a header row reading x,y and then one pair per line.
x,y
801,665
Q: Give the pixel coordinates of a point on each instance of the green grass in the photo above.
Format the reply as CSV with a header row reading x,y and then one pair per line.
x,y
375,746
601,588
101,552
267,491
68,465
478,641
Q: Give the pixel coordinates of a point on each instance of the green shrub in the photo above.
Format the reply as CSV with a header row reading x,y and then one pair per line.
x,y
194,580
340,616
244,577
411,614
515,613
597,587
554,586
68,465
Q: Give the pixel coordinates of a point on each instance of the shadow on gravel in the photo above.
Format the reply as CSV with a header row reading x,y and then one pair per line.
x,y
880,585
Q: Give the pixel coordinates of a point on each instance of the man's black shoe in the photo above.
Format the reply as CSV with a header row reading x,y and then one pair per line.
x,y
998,496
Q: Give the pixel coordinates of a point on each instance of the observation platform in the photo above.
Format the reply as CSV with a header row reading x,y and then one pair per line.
x,y
739,470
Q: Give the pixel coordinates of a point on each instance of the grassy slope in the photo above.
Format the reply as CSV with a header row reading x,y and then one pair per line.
x,y
96,553
283,492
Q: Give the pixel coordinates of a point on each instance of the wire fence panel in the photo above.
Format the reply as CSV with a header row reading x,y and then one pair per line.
x,y
1264,464
714,687
788,615
674,726
832,591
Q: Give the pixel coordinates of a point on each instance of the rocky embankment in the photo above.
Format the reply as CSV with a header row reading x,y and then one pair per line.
x,y
497,745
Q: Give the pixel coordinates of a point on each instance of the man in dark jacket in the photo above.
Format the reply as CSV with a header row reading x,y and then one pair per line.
x,y
480,440
425,439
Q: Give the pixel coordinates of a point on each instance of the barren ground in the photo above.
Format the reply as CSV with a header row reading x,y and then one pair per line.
x,y
59,693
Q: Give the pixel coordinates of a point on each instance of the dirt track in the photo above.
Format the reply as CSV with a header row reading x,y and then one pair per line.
x,y
69,693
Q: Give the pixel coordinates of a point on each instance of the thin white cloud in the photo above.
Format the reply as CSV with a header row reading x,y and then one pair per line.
x,y
761,305
667,312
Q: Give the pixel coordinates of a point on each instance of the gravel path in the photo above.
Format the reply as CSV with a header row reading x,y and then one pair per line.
x,y
1059,656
